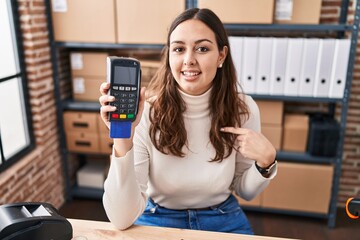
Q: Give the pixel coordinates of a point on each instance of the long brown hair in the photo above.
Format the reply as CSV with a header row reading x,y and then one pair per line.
x,y
167,130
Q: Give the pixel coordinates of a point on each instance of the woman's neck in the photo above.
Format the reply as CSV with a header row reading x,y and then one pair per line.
x,y
196,104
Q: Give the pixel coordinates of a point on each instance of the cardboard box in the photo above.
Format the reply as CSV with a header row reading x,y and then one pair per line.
x,y
106,144
82,142
148,70
273,133
81,122
256,202
88,64
102,128
295,133
271,112
86,88
300,187
241,11
298,12
145,22
92,175
84,21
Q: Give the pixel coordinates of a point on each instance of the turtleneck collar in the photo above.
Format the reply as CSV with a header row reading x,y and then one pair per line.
x,y
196,105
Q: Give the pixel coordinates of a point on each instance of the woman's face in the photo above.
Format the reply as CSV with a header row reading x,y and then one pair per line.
x,y
194,56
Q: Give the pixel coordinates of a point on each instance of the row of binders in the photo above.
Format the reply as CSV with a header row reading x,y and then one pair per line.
x,y
304,67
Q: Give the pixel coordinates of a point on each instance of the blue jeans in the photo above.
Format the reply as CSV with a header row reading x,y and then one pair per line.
x,y
226,217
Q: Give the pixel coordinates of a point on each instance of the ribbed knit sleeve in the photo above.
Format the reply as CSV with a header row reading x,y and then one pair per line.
x,y
125,188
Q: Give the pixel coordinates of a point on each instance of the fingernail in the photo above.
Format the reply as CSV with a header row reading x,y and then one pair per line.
x,y
222,129
112,98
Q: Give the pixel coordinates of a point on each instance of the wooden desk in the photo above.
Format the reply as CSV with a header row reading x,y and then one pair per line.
x,y
93,230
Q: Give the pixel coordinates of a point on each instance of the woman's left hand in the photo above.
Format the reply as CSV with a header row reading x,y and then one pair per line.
x,y
253,145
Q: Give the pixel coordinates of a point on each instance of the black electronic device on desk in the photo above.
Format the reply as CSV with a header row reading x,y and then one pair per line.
x,y
29,220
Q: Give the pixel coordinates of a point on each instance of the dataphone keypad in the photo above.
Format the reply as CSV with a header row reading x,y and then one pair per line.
x,y
125,103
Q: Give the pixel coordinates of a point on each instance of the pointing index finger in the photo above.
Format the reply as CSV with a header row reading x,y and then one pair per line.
x,y
234,130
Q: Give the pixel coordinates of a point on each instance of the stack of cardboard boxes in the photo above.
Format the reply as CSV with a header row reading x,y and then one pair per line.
x,y
300,187
265,11
88,70
86,133
271,115
297,187
114,21
81,130
241,11
293,188
297,11
296,131
287,132
147,22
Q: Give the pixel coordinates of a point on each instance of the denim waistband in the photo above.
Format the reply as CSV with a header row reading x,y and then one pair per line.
x,y
230,198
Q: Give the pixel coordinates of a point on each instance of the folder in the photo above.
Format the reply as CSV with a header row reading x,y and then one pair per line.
x,y
263,65
326,59
339,71
249,60
308,67
236,50
278,66
293,66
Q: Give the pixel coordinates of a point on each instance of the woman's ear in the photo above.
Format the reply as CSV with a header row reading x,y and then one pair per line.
x,y
222,55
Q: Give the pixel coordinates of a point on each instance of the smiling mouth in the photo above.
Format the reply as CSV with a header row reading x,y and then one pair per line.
x,y
190,74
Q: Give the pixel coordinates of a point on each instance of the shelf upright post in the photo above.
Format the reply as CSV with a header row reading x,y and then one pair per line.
x,y
344,10
58,101
344,112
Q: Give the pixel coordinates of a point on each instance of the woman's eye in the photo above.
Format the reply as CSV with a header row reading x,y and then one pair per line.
x,y
178,49
202,49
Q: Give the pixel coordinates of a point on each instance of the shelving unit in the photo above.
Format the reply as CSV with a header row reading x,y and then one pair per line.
x,y
233,29
73,190
340,29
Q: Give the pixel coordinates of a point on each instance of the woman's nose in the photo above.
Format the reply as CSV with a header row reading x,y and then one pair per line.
x,y
189,59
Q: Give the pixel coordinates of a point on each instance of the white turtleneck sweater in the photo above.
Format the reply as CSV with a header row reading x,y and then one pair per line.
x,y
179,183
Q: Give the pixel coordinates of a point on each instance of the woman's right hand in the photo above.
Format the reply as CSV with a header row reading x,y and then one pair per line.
x,y
104,100
121,145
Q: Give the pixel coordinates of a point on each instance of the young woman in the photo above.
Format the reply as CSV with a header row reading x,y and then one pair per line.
x,y
195,141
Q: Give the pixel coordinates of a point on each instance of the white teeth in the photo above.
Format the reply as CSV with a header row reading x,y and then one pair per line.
x,y
190,73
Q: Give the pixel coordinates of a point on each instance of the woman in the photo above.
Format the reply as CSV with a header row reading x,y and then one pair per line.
x,y
194,142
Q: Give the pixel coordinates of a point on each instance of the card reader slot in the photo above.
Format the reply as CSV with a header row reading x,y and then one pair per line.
x,y
35,211
25,211
40,211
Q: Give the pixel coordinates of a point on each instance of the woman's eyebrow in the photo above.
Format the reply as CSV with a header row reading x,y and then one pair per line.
x,y
203,40
196,42
177,42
